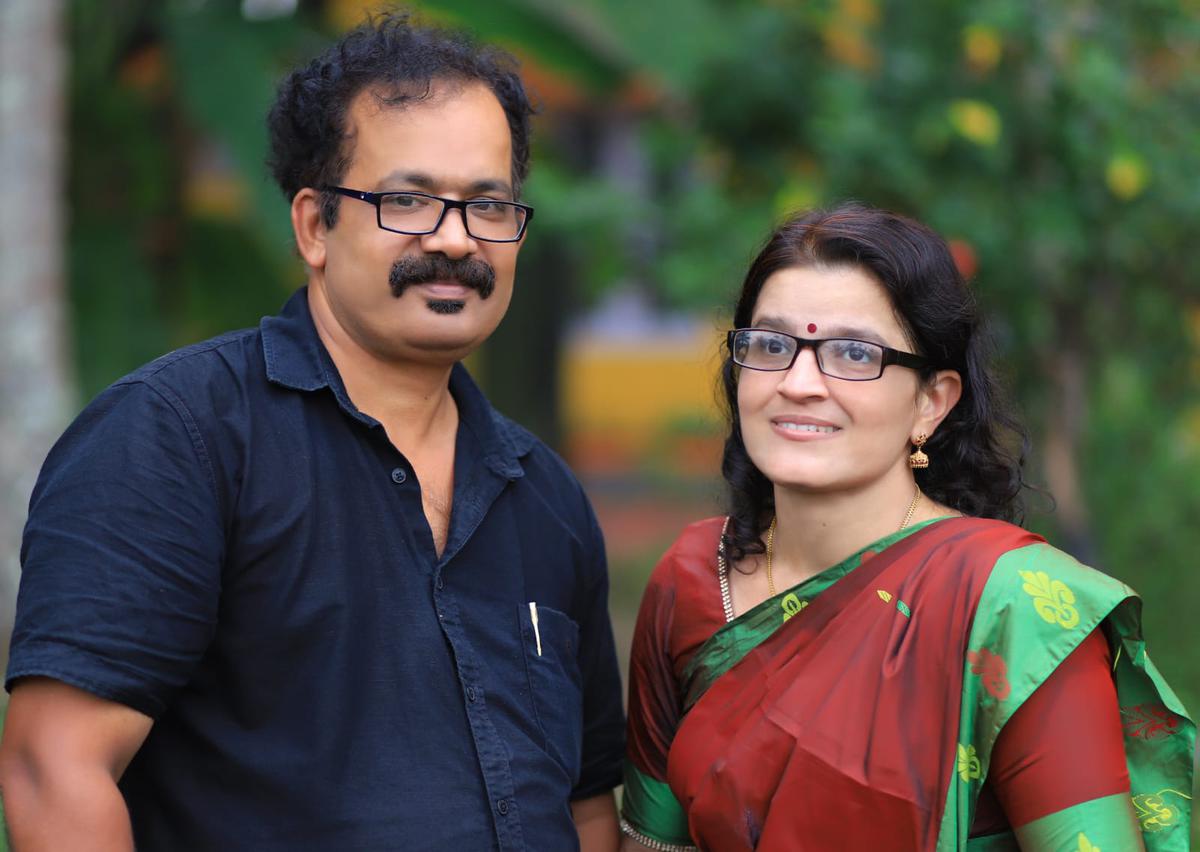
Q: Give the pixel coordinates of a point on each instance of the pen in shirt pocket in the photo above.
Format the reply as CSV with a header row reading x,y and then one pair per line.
x,y
533,617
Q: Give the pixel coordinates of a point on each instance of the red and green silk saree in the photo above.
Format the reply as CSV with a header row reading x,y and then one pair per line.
x,y
859,709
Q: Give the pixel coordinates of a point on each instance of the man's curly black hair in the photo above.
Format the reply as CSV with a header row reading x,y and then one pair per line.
x,y
398,61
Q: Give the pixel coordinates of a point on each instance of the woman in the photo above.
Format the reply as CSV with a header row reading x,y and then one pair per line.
x,y
865,654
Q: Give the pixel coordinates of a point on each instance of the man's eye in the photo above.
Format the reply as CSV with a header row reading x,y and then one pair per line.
x,y
406,202
491,209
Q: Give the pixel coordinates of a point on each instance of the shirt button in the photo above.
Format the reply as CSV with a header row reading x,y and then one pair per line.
x,y
398,475
502,806
470,693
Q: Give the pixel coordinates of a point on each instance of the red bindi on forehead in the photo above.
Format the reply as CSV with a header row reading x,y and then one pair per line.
x,y
812,327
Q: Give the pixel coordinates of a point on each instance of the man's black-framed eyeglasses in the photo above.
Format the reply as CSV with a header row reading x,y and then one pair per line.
x,y
839,357
418,213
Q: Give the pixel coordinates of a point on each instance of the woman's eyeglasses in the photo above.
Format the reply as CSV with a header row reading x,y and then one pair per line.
x,y
839,357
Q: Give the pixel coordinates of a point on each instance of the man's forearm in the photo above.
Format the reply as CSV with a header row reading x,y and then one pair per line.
x,y
596,822
72,809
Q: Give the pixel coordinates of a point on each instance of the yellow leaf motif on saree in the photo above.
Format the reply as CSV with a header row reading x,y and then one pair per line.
x,y
792,605
886,597
1085,845
969,767
1052,599
1154,813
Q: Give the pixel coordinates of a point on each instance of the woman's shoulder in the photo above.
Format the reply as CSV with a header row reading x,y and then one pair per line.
x,y
1033,593
1020,552
692,556
1041,570
1007,553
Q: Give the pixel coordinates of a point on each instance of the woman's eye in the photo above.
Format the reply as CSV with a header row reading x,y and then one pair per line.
x,y
771,344
856,352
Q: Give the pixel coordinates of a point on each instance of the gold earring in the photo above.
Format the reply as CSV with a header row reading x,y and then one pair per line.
x,y
918,459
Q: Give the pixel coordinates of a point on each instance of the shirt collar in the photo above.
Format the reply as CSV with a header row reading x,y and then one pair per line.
x,y
296,358
293,352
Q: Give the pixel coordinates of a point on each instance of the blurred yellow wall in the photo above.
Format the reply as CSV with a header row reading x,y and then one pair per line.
x,y
624,401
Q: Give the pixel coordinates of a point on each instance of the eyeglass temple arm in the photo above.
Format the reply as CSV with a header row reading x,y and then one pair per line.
x,y
904,359
369,197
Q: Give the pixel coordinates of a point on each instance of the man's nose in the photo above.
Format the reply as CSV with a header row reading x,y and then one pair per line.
x,y
451,237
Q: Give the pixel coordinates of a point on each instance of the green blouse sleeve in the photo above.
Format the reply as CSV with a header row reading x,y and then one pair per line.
x,y
1095,826
650,812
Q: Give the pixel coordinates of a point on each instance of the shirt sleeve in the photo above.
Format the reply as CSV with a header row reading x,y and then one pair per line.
x,y
648,807
121,554
1064,745
603,717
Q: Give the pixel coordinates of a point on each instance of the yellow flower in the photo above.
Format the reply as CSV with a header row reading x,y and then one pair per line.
x,y
863,11
1193,322
975,120
982,47
1126,176
848,45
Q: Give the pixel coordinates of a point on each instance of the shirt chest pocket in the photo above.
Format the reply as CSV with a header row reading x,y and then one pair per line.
x,y
551,643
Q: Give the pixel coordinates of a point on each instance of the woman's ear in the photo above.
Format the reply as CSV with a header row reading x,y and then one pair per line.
x,y
935,400
308,227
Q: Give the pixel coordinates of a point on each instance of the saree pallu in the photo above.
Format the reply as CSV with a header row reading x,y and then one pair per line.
x,y
859,709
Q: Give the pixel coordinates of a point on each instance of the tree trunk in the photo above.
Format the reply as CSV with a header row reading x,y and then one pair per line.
x,y
36,392
1061,449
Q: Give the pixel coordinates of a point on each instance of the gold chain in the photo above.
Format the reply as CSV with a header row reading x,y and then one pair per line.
x,y
908,516
912,507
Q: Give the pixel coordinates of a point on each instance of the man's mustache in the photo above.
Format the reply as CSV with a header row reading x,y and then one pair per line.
x,y
467,271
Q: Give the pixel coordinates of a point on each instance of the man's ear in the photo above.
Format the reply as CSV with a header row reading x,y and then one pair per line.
x,y
935,400
308,227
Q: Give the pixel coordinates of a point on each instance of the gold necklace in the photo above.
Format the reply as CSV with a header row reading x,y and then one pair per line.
x,y
908,516
912,507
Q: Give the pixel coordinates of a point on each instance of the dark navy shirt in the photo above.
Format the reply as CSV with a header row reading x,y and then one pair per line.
x,y
223,542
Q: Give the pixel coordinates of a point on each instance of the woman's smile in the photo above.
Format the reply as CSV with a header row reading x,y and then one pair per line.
x,y
803,428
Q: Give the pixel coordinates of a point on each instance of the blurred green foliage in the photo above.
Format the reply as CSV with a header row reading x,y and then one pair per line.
x,y
148,269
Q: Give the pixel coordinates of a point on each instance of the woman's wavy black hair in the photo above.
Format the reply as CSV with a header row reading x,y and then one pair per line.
x,y
399,61
978,452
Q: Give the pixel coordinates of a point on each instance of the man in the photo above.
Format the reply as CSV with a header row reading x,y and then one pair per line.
x,y
300,586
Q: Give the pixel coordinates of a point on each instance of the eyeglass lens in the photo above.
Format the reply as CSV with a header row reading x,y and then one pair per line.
x,y
841,358
487,220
